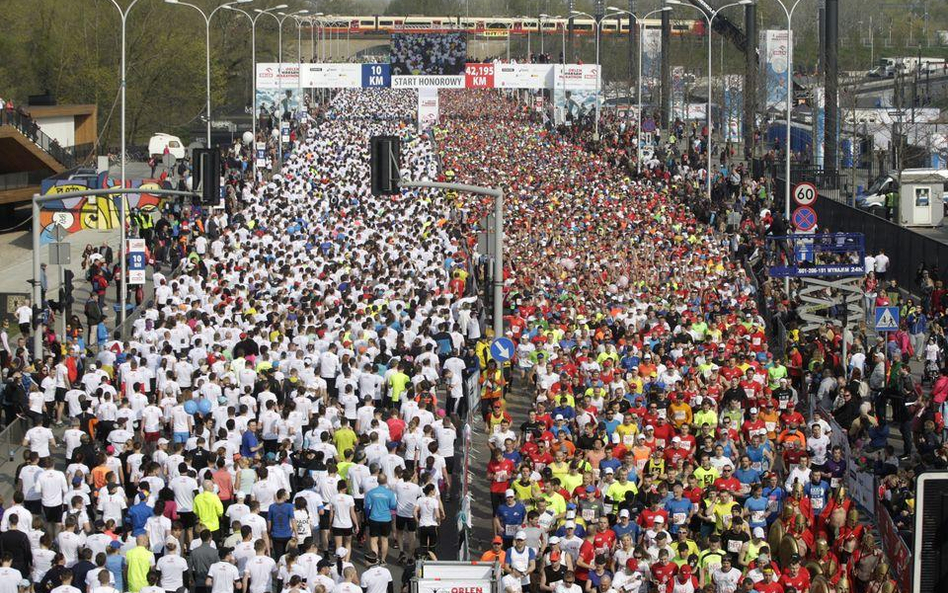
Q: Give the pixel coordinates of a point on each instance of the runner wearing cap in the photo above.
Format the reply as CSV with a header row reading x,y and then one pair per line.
x,y
520,561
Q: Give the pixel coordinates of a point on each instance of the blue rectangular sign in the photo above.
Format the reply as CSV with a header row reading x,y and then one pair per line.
x,y
376,75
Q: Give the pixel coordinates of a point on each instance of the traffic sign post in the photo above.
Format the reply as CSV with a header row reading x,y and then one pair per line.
x,y
805,194
502,349
887,319
804,219
136,261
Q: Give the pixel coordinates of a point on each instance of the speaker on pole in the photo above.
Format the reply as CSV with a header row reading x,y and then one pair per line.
x,y
384,153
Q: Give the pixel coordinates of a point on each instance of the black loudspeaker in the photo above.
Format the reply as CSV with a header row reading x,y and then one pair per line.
x,y
207,172
384,153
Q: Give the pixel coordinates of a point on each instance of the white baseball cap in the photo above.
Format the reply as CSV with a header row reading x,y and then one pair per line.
x,y
509,492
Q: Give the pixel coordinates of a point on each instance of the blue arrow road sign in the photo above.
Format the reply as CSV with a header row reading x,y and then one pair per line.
x,y
887,319
502,349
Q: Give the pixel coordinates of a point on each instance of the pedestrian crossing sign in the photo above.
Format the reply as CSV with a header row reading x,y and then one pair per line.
x,y
887,319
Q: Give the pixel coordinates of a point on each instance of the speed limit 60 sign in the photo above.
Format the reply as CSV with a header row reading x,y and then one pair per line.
x,y
804,193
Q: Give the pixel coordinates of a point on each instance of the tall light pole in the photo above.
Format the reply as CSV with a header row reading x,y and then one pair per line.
x,y
207,50
640,22
253,73
563,41
279,19
598,24
786,192
709,20
123,14
540,27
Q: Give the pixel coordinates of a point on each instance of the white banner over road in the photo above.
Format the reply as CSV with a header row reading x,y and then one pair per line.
x,y
523,76
576,77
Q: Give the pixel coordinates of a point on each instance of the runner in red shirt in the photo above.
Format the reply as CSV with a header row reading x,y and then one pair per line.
x,y
796,576
605,540
769,584
587,556
663,572
727,481
499,472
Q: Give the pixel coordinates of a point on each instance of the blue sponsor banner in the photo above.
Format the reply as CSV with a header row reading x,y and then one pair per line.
x,y
376,75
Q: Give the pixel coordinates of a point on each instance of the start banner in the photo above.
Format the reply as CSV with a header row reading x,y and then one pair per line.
x,y
487,75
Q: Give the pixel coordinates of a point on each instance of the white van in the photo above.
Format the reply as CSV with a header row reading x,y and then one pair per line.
x,y
158,143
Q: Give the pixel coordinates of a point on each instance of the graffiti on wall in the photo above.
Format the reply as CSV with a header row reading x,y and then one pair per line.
x,y
96,212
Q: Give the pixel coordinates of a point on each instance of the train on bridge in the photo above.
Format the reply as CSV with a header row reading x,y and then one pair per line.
x,y
492,26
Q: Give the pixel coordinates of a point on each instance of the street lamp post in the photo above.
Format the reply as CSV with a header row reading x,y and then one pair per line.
x,y
786,188
598,25
299,50
279,19
789,13
709,20
563,41
640,22
540,27
123,14
253,70
207,50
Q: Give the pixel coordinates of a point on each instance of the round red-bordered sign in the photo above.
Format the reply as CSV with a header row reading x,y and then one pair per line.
x,y
804,218
805,193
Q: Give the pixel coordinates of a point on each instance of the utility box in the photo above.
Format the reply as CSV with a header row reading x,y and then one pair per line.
x,y
921,197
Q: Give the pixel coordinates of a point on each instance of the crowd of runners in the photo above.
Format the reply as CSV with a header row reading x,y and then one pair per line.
x,y
286,416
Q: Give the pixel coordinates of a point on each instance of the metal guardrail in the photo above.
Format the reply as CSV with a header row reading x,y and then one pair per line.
x,y
11,439
69,157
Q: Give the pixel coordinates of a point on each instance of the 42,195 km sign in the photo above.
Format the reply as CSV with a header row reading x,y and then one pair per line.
x,y
804,193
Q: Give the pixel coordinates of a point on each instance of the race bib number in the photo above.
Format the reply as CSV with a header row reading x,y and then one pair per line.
x,y
679,518
589,515
662,413
772,506
511,530
628,440
734,546
835,482
782,404
770,426
758,516
756,466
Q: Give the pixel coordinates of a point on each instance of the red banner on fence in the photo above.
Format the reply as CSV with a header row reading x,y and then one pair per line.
x,y
900,558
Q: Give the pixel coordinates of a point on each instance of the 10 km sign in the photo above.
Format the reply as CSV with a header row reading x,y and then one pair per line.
x,y
479,76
